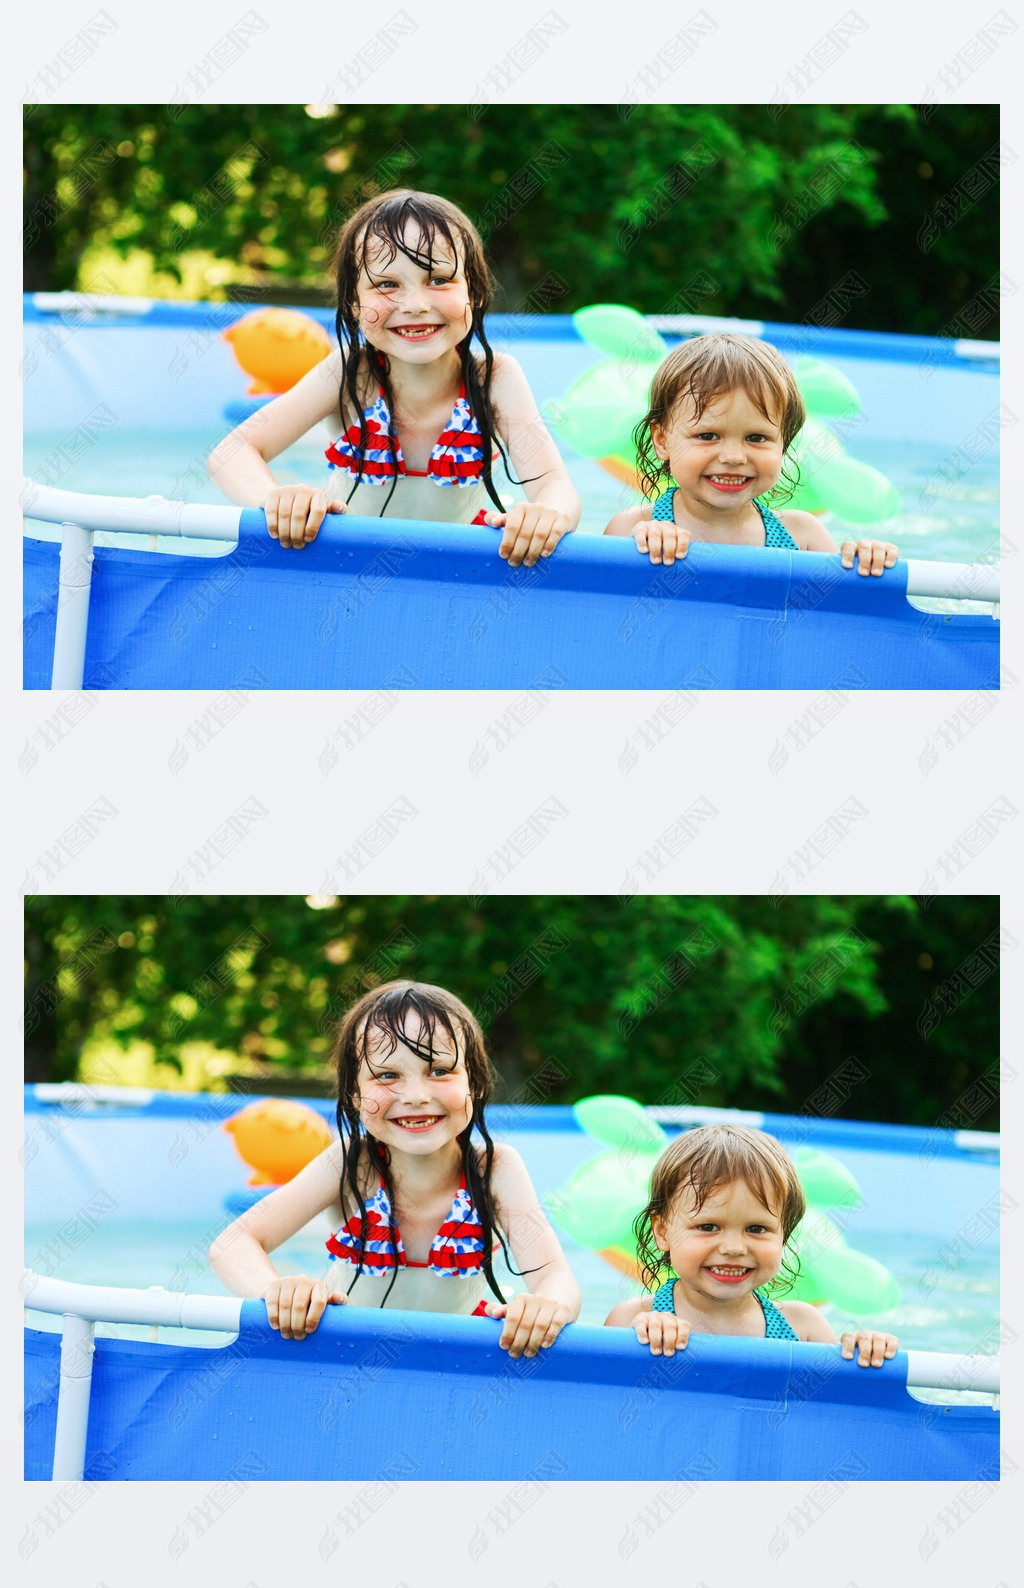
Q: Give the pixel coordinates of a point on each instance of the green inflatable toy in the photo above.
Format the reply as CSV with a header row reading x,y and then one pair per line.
x,y
603,406
601,1199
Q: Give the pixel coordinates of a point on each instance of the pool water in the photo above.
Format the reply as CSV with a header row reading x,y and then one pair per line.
x,y
947,522
959,1314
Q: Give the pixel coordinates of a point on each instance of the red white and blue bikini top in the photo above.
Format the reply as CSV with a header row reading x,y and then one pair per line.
x,y
457,458
457,1249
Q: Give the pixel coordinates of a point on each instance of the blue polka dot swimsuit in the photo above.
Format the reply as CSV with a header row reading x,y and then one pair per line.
x,y
775,532
775,1325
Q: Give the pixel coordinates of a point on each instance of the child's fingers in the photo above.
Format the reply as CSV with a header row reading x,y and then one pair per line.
x,y
495,1309
298,1312
866,1345
640,534
871,556
293,532
535,545
320,1296
554,535
558,1322
315,515
876,550
496,520
515,1335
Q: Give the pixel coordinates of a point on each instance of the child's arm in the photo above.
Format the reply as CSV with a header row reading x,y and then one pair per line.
x,y
238,466
533,1320
239,1257
532,528
872,1347
810,534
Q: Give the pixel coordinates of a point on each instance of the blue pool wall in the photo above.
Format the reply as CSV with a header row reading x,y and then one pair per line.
x,y
415,1396
170,369
399,605
168,1158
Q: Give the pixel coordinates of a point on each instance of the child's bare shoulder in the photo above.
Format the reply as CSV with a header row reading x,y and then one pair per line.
x,y
806,1320
807,530
625,523
622,1316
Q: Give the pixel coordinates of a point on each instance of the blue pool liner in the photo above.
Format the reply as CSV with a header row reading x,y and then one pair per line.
x,y
397,604
421,1396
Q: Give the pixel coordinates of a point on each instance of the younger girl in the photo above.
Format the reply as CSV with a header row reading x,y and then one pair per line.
x,y
724,1201
412,406
417,1207
724,411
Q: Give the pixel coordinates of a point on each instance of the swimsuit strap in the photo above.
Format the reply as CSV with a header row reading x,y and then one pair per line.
x,y
776,1326
775,532
664,1300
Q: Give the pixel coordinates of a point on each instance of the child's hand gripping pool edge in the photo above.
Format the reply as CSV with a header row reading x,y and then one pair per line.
x,y
531,531
295,513
532,1323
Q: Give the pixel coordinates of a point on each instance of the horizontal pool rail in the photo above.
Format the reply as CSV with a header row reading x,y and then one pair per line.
x,y
154,515
602,1356
78,1099
82,515
87,311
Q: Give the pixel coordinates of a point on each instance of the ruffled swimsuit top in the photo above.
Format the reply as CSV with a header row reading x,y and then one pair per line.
x,y
456,1253
456,459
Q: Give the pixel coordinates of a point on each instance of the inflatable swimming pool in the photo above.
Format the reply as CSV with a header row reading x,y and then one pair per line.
x,y
122,400
435,1393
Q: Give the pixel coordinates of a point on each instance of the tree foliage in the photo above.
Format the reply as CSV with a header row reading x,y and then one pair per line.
x,y
736,1001
742,210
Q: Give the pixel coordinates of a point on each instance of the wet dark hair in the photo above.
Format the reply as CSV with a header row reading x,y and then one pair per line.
x,y
384,219
699,1162
707,367
385,1012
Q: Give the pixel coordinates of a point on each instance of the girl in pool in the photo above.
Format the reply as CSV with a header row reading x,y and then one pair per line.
x,y
724,411
418,1208
412,406
724,1201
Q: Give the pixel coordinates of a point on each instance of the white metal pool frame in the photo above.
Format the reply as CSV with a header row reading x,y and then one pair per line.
x,y
83,1306
80,515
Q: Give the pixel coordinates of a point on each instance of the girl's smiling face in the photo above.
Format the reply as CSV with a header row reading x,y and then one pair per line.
x,y
724,1249
410,1104
407,311
724,458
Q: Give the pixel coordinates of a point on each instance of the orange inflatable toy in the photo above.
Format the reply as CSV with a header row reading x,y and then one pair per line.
x,y
277,347
277,1138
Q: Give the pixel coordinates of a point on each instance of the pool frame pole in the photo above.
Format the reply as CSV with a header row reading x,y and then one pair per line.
x,y
77,1348
73,596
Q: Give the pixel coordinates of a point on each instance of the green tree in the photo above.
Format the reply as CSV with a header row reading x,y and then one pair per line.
x,y
750,209
735,1001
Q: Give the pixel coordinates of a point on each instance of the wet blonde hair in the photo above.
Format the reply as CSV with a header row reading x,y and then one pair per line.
x,y
700,1162
707,367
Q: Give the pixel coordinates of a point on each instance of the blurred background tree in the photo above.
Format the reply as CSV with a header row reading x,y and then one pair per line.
x,y
733,1001
750,210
